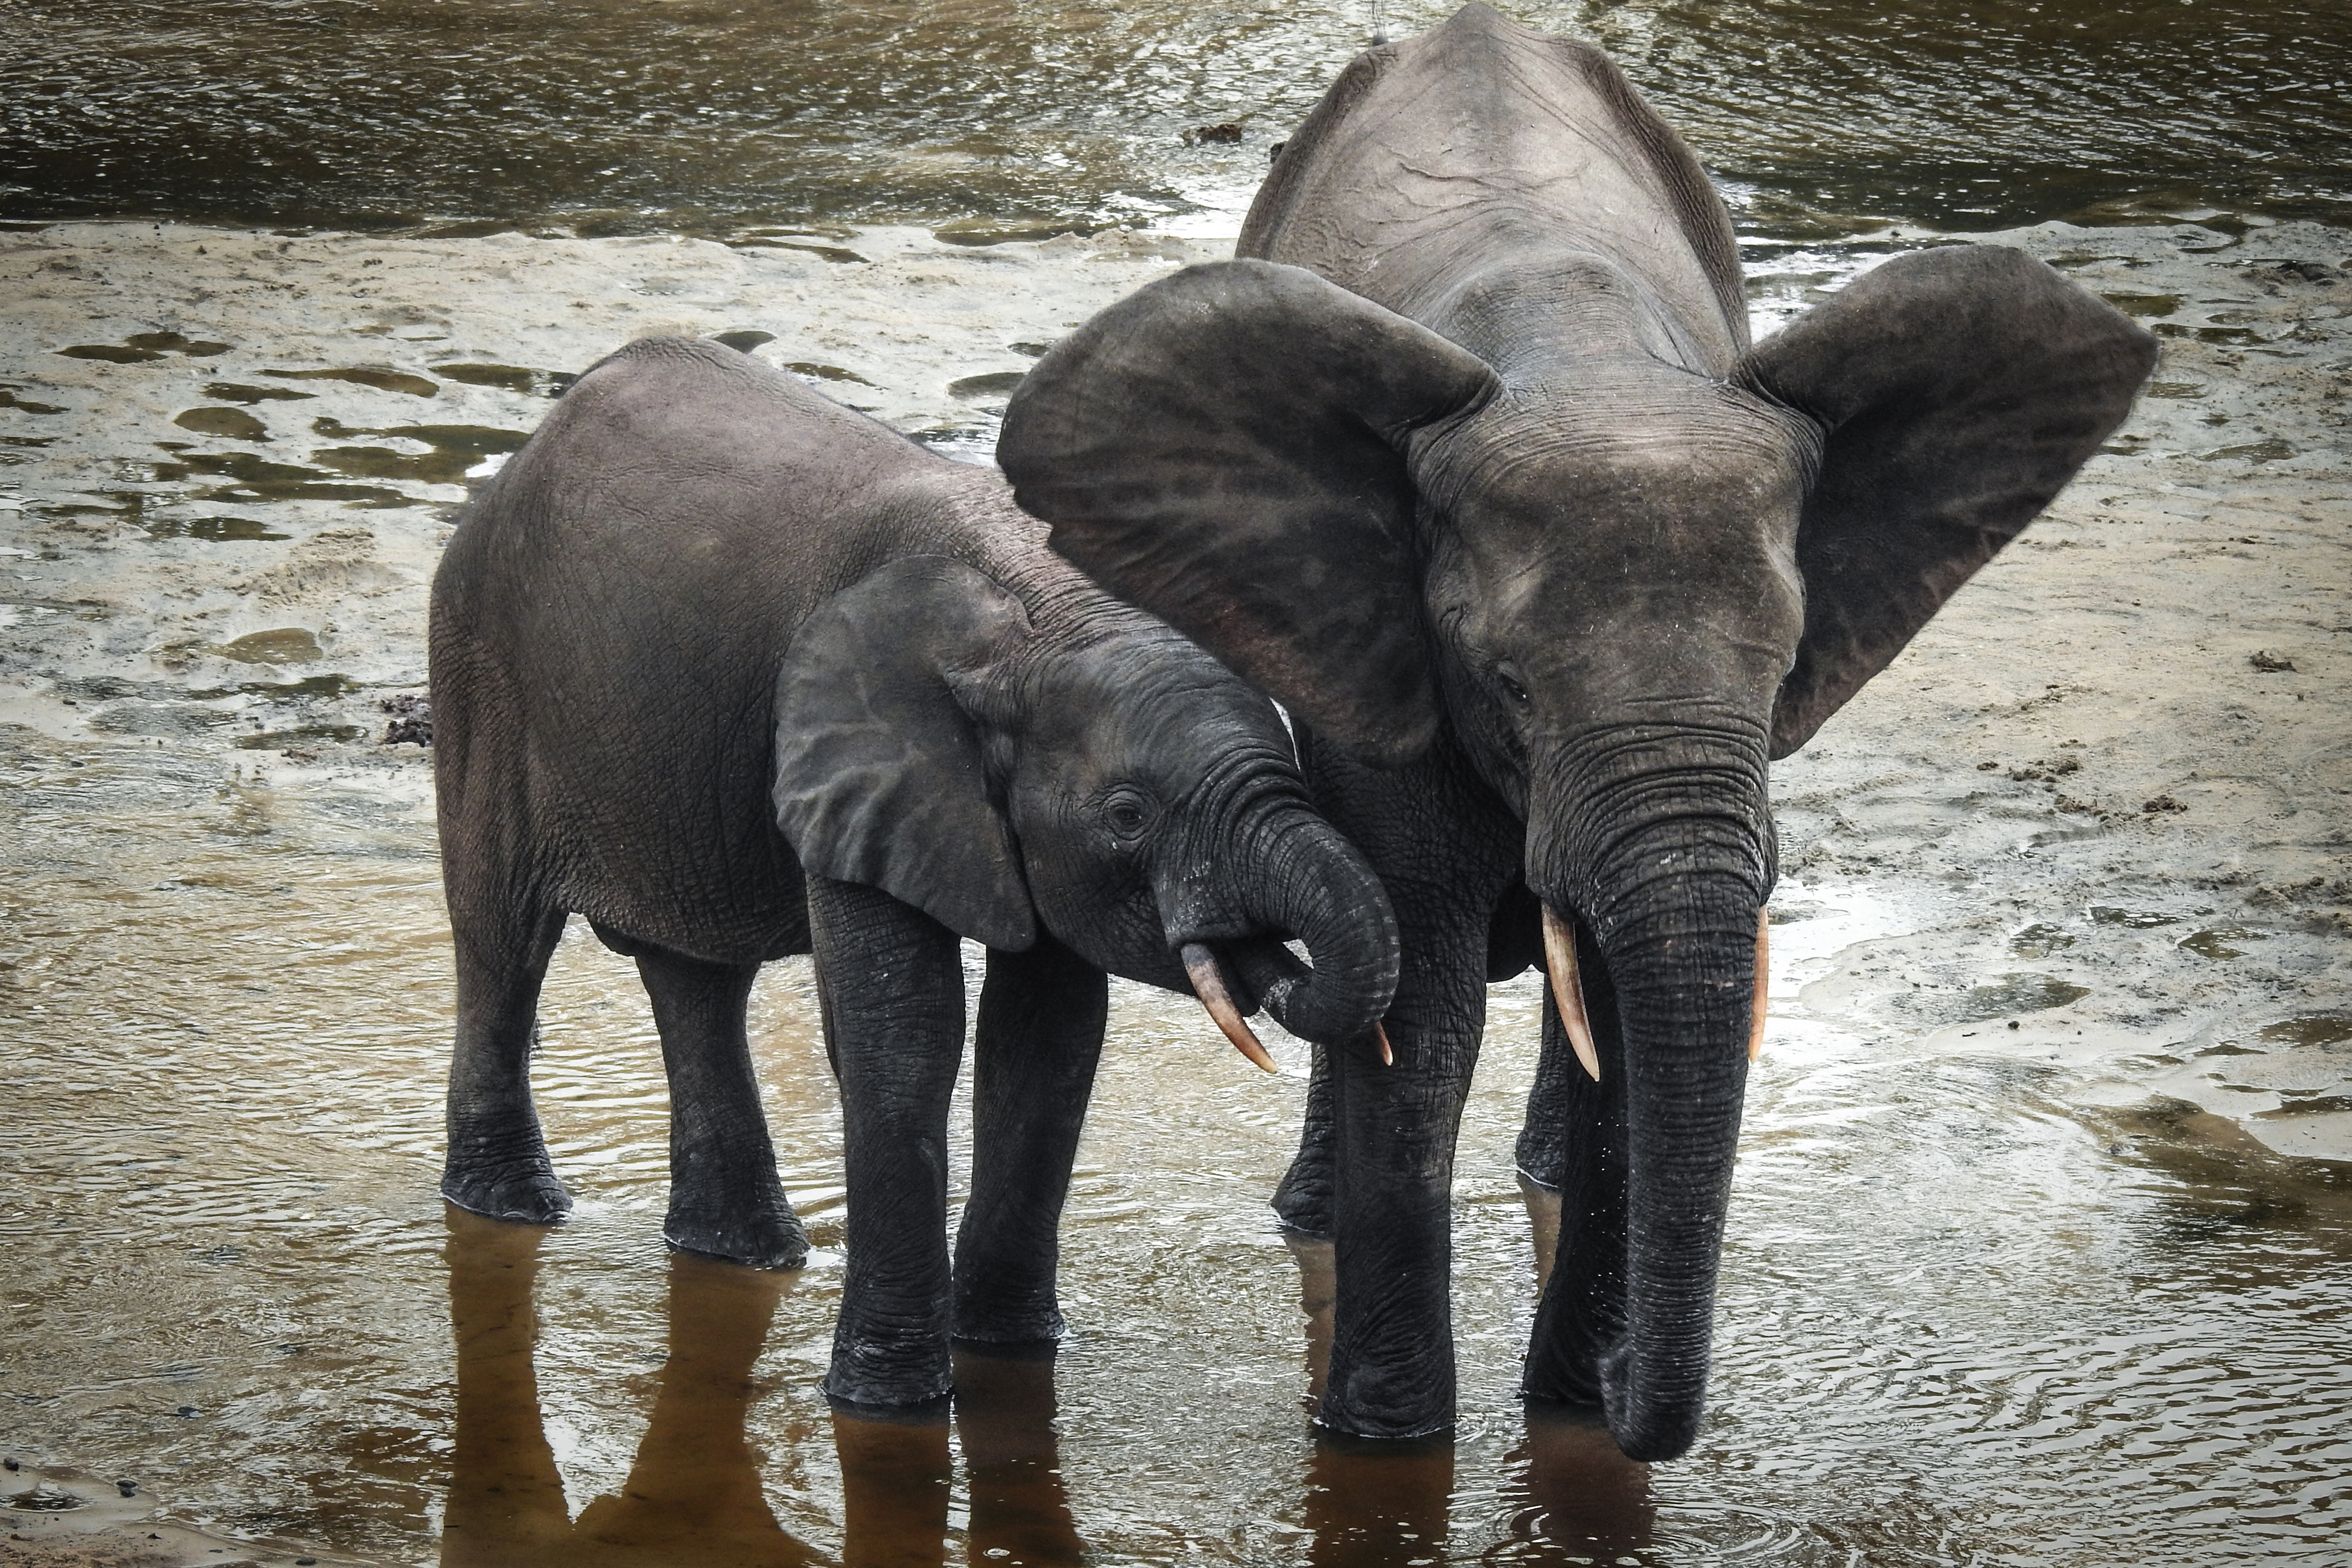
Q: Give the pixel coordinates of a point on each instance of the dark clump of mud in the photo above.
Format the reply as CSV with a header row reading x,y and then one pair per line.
x,y
412,720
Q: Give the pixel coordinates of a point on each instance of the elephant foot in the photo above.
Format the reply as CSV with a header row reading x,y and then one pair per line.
x,y
1552,1381
1374,1427
769,1238
1303,1202
1542,1157
1008,1323
1403,1389
526,1193
887,1374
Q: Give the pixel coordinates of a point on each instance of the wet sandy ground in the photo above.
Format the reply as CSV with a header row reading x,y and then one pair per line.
x,y
2040,1199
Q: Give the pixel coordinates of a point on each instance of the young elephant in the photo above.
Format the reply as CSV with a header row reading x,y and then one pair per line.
x,y
1470,463
736,673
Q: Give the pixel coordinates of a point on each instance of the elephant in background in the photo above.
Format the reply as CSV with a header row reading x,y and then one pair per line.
x,y
1469,462
736,672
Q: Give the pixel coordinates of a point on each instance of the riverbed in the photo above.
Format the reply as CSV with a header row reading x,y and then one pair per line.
x,y
2042,1226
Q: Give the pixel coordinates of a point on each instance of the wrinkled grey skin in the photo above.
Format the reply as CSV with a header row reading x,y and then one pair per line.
x,y
1473,468
735,673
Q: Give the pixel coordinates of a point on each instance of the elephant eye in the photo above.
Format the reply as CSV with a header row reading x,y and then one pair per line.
x,y
1128,814
1511,688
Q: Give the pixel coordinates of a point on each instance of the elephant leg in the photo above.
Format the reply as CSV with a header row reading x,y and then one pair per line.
x,y
1392,1372
1039,1034
894,1011
725,1199
496,1162
1583,1145
1445,848
1303,1202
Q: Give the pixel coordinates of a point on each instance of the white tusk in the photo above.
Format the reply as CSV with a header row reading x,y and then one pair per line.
x,y
1763,986
1381,1038
1209,985
1567,990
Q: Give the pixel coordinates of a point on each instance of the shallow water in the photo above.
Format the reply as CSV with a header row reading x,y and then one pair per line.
x,y
1954,1308
1959,1298
719,117
2000,1288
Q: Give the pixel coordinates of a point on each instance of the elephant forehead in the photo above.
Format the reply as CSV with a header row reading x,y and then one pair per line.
x,y
1634,424
1651,552
1658,505
1146,700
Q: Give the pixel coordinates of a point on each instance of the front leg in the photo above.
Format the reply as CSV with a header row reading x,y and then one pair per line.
x,y
1303,1202
1445,848
1392,1373
892,987
1034,1054
1575,1142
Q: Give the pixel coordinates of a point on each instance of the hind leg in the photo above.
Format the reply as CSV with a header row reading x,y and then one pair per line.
x,y
725,1199
497,1164
1034,1056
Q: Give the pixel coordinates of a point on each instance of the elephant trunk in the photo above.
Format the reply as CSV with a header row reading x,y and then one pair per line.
x,y
1284,872
1665,856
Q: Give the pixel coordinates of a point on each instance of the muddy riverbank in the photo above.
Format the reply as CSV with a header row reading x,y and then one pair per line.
x,y
2041,1196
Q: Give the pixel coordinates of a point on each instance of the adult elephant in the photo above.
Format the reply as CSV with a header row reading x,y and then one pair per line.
x,y
1472,466
735,673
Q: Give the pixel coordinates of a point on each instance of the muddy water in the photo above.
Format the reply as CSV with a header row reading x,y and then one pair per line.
x,y
2042,1235
1955,1307
717,117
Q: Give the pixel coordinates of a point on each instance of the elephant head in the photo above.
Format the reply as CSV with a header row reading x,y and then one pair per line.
x,y
1618,584
1082,767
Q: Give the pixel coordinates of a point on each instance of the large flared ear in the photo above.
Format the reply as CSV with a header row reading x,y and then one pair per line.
x,y
1229,447
1957,389
880,771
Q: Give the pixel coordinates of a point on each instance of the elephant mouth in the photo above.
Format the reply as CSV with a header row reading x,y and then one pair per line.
x,y
1277,973
1567,990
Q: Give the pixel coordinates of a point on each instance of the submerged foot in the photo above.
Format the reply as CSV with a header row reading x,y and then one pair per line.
x,y
891,1370
1303,1202
530,1195
1027,1321
764,1239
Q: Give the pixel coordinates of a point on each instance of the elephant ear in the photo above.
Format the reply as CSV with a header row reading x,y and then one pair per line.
x,y
1959,389
880,773
1227,447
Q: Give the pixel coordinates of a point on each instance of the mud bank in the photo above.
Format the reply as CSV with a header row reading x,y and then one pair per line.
x,y
230,457
2061,1025
2115,767
2111,784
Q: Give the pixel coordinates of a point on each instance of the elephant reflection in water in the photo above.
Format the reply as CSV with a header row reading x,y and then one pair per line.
x,y
694,1495
1572,1496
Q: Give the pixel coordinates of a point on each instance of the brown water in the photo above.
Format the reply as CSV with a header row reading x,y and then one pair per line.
x,y
721,116
1970,1317
1954,1309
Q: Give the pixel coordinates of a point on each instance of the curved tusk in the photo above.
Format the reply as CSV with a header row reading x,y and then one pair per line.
x,y
1381,1038
1567,990
1209,985
1763,986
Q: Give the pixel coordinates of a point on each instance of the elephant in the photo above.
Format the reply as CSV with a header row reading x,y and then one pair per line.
x,y
1468,461
735,672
